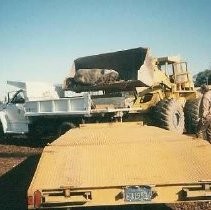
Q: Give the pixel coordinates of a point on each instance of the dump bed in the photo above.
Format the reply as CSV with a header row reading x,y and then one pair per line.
x,y
121,164
78,105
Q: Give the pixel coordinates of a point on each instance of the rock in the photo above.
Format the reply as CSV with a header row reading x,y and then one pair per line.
x,y
95,76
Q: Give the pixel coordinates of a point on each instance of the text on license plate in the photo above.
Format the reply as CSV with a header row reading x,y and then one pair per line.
x,y
137,193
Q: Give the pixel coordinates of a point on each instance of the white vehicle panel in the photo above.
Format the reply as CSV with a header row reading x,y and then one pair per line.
x,y
16,120
76,105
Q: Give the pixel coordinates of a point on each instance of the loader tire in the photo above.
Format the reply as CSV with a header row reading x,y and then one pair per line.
x,y
191,112
169,115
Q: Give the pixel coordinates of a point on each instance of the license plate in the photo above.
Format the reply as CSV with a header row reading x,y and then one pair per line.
x,y
137,193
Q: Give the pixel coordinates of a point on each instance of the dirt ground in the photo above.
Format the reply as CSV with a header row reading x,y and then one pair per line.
x,y
18,161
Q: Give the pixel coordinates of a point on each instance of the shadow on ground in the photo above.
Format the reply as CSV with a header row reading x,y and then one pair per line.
x,y
14,184
131,207
27,142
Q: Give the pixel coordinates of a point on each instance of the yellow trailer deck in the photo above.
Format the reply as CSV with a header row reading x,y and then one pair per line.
x,y
121,164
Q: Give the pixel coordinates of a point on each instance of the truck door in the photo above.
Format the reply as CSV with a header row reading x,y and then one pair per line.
x,y
17,122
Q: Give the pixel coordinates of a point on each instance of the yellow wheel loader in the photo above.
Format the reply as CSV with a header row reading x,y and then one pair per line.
x,y
151,89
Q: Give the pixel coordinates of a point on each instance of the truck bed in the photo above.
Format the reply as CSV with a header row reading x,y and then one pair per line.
x,y
79,105
103,160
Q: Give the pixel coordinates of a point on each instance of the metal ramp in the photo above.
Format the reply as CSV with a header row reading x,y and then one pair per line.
x,y
95,164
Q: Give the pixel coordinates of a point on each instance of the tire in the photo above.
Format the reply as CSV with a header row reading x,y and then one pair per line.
x,y
64,127
191,112
2,136
36,131
168,114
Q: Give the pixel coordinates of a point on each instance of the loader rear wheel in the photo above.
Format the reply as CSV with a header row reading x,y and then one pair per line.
x,y
191,111
169,115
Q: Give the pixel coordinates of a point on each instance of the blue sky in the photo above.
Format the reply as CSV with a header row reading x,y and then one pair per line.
x,y
39,39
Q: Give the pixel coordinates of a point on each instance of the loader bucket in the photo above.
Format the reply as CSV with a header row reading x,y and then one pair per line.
x,y
132,64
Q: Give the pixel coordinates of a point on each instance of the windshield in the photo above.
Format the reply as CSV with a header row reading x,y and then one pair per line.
x,y
16,97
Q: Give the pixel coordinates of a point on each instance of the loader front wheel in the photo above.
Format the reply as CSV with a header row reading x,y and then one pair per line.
x,y
191,111
169,115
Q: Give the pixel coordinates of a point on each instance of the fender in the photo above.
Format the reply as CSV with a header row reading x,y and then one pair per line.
x,y
3,121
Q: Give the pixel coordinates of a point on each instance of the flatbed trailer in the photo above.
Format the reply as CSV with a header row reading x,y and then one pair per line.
x,y
121,164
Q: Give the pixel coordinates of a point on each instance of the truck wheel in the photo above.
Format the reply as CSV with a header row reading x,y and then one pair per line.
x,y
64,127
169,115
36,131
1,132
191,111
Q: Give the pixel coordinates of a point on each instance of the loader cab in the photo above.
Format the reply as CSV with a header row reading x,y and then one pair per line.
x,y
177,72
171,66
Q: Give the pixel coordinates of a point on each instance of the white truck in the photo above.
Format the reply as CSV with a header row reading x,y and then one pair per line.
x,y
40,109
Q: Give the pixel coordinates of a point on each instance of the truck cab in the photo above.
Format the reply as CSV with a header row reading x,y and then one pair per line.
x,y
12,118
12,113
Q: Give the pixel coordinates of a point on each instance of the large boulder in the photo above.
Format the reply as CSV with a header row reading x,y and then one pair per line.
x,y
95,76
